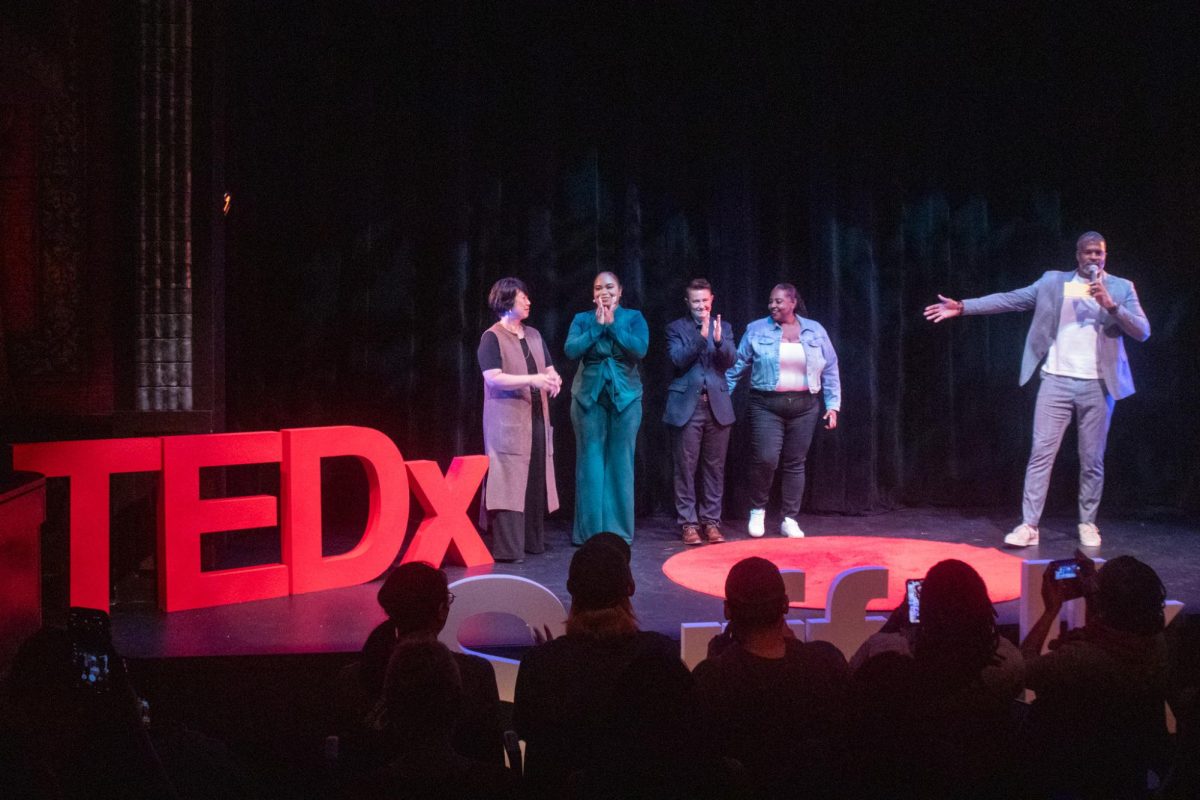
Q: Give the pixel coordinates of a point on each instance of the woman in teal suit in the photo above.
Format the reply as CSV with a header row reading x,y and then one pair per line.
x,y
606,409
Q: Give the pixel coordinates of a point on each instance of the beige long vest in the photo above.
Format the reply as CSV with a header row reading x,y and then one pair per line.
x,y
508,428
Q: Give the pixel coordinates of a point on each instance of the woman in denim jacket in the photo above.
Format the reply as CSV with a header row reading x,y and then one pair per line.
x,y
791,361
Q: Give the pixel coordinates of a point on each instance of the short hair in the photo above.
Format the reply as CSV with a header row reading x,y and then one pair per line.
x,y
616,277
504,293
1090,236
1129,596
423,690
412,595
755,593
697,284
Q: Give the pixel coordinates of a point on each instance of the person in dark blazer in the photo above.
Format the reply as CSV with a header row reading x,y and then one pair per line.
x,y
699,412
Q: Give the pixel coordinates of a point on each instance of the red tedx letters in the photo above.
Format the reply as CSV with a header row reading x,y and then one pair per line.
x,y
184,517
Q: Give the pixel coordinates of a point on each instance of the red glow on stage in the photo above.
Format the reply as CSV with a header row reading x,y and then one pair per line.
x,y
823,557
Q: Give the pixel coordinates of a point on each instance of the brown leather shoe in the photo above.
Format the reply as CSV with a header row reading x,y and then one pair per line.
x,y
691,534
712,533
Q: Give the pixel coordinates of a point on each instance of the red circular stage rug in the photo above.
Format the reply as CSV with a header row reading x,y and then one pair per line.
x,y
823,557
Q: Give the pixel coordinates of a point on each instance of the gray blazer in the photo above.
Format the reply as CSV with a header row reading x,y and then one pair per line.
x,y
699,363
1045,297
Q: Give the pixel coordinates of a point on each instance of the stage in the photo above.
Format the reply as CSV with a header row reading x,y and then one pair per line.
x,y
338,621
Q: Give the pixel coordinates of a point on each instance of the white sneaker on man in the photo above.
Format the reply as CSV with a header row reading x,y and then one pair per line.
x,y
1089,534
1022,536
790,529
757,525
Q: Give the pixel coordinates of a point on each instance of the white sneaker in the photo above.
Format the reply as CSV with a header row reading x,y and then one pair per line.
x,y
790,529
1089,534
758,522
1022,536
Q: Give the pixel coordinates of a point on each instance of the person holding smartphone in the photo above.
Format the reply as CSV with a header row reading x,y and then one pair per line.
x,y
1098,722
955,623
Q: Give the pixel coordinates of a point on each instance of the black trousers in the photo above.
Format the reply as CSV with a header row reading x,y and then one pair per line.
x,y
781,431
515,533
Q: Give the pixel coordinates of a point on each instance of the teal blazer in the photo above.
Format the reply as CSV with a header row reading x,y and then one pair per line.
x,y
608,356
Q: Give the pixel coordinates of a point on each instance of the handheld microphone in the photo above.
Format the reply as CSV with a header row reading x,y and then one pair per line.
x,y
1093,271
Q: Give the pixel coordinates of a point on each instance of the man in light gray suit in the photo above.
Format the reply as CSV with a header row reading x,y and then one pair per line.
x,y
699,412
1080,320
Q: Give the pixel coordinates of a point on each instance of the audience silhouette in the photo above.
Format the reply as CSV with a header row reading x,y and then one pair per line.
x,y
772,703
927,722
926,709
417,601
424,699
604,710
1098,722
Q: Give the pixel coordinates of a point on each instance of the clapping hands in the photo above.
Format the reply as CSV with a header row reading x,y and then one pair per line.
x,y
605,314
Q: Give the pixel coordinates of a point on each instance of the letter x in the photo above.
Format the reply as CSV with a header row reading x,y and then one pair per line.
x,y
446,528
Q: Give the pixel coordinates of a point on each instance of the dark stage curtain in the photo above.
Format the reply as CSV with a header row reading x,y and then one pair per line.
x,y
389,161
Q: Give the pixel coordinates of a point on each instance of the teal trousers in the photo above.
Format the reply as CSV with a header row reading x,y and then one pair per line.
x,y
605,440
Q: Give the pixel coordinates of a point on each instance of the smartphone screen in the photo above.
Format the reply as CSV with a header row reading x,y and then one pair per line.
x,y
912,591
91,648
91,668
1065,569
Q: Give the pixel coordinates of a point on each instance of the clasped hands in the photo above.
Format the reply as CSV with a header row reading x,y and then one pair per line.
x,y
549,381
605,314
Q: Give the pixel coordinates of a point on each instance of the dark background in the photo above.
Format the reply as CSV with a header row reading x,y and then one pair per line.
x,y
388,161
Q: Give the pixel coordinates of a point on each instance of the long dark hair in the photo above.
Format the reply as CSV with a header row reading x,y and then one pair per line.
x,y
957,637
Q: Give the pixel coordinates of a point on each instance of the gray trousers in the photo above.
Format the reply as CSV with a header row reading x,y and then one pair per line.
x,y
1059,398
701,441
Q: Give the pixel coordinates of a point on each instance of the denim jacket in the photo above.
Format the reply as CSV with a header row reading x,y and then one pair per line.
x,y
759,350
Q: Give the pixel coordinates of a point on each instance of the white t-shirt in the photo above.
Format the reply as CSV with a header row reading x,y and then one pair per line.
x,y
793,368
1074,351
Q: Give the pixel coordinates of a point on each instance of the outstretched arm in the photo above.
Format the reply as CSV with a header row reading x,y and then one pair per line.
x,y
1022,299
944,309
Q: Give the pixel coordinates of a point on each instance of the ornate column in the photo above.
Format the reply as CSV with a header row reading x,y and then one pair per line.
x,y
163,268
